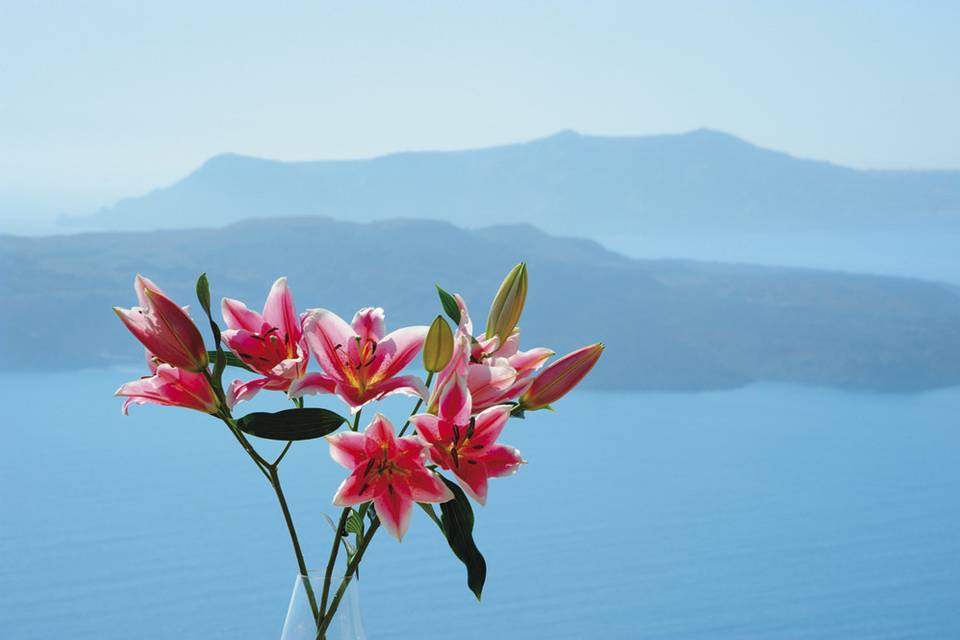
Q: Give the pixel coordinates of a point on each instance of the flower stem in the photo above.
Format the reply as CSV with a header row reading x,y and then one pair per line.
x,y
351,570
416,408
334,550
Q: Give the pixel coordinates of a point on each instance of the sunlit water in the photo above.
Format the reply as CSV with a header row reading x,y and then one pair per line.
x,y
768,512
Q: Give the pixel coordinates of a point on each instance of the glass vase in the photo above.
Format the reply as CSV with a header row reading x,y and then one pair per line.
x,y
301,622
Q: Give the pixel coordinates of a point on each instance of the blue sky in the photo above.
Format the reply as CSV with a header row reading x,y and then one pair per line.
x,y
110,99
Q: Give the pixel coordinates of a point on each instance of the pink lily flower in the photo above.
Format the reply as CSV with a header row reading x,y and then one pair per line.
x,y
170,387
164,328
495,373
359,362
270,343
467,445
388,470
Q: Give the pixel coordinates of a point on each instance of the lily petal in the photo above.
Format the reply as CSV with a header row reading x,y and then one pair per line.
x,y
347,448
237,316
394,512
326,334
311,384
279,311
396,350
368,323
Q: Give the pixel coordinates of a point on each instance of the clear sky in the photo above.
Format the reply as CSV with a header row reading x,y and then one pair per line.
x,y
100,100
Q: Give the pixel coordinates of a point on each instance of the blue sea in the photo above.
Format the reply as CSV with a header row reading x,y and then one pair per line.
x,y
767,512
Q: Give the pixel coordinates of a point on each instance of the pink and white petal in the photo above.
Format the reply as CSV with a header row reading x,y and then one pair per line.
x,y
151,360
488,384
238,316
348,448
525,361
279,312
489,424
394,512
509,346
456,405
410,449
500,460
368,323
424,486
466,325
496,377
485,347
242,390
396,350
403,385
473,479
326,333
355,489
352,396
380,439
311,384
140,285
289,368
427,425
137,322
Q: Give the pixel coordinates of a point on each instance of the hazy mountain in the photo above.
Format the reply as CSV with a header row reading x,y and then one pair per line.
x,y
668,324
585,185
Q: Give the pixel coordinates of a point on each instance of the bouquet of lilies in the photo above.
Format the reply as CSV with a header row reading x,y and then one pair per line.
x,y
446,450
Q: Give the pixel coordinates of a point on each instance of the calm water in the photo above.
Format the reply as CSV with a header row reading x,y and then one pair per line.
x,y
769,512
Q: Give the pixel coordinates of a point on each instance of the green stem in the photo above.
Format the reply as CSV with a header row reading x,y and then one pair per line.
x,y
416,408
334,550
301,564
351,570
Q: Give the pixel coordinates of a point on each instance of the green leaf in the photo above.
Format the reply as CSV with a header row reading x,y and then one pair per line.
x,y
449,305
354,523
457,519
291,424
230,359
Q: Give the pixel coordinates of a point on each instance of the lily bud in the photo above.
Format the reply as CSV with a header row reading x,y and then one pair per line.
x,y
508,304
438,346
560,377
164,328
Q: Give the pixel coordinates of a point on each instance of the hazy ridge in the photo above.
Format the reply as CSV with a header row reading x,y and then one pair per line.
x,y
669,324
585,185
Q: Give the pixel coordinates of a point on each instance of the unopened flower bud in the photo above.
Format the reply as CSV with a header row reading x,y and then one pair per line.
x,y
438,346
560,377
164,328
508,304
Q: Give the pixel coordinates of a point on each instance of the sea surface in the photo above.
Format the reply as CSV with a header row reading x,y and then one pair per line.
x,y
767,512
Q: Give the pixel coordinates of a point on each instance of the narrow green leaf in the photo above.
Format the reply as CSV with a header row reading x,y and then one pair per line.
x,y
330,522
230,359
457,519
449,305
291,424
354,523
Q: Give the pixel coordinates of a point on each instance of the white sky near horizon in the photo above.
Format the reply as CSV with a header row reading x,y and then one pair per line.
x,y
104,100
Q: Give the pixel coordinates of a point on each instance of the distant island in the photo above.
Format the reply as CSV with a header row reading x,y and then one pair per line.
x,y
703,181
669,325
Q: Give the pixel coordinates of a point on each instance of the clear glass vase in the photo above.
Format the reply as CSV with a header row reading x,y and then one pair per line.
x,y
345,623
